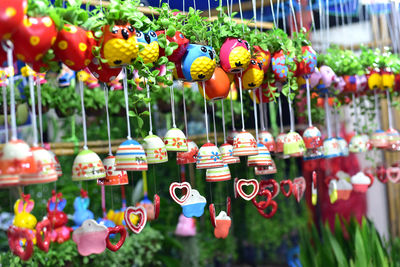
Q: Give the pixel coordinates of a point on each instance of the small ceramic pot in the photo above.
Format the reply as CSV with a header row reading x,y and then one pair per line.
x,y
387,79
379,139
217,87
263,158
358,144
113,177
102,71
280,140
312,137
56,163
360,182
227,154
175,140
155,149
17,158
344,147
87,166
218,174
253,76
266,138
344,189
393,138
279,65
130,156
46,172
209,157
182,42
151,49
264,56
244,144
331,148
189,156
234,55
293,145
198,63
231,136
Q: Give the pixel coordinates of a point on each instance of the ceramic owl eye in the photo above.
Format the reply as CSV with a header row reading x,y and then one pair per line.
x,y
234,55
253,76
119,45
151,49
198,64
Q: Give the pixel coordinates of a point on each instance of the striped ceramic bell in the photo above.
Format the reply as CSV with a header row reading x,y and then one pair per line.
x,y
87,166
231,136
331,148
227,154
155,149
244,144
218,174
267,140
263,158
280,140
294,145
56,163
130,156
46,172
17,158
209,157
175,140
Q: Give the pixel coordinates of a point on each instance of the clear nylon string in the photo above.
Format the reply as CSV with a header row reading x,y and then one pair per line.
x,y
312,17
33,107
284,16
205,110
171,90
232,114
280,112
254,13
125,84
39,99
337,126
291,112
294,15
9,49
260,107
241,14
320,24
301,14
262,14
272,11
107,118
308,102
265,115
223,120
377,110
327,22
184,110
4,90
255,114
80,83
241,99
149,107
278,7
215,126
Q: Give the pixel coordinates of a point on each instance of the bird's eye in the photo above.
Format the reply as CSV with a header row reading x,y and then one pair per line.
x,y
139,34
247,45
181,36
253,62
114,30
153,34
130,28
203,49
240,40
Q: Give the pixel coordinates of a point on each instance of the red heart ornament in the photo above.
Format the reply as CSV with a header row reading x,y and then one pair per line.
x,y
114,230
15,234
263,204
243,182
299,187
269,184
381,174
43,226
184,185
228,206
156,203
211,209
283,190
139,211
272,212
393,174
372,178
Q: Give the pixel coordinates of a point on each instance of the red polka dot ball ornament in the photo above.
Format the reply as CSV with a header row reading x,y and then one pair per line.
x,y
11,15
103,72
33,38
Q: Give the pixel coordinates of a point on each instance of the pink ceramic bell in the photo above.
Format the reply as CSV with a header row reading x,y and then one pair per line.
x,y
244,144
17,159
209,157
267,140
189,156
218,174
46,172
227,154
263,158
113,177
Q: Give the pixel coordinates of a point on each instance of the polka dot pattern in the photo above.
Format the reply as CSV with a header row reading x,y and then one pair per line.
x,y
10,12
63,45
34,40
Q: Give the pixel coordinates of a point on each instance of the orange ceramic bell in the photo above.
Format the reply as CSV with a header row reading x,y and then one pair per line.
x,y
17,158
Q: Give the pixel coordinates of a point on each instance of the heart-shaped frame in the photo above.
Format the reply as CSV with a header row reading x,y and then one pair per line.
x,y
299,187
272,212
263,204
269,184
250,182
141,211
15,234
283,190
175,186
393,174
381,174
43,243
114,230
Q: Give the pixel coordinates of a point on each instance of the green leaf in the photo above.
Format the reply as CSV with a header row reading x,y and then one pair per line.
x,y
171,31
360,254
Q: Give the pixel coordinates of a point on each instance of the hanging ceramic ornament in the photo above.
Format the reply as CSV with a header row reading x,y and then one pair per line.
x,y
279,65
192,202
226,149
232,134
90,238
222,222
198,63
151,49
344,189
331,146
361,182
264,56
186,226
243,182
393,136
135,218
180,51
113,177
344,147
253,76
358,143
217,87
234,55
189,156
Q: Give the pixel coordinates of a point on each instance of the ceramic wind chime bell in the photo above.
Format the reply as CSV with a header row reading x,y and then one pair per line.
x,y
113,177
46,172
189,156
130,156
155,149
244,144
87,166
227,154
293,145
218,174
209,157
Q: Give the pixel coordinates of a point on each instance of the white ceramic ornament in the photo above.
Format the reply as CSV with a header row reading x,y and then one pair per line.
x,y
227,154
130,156
155,149
244,144
87,166
46,172
209,157
175,140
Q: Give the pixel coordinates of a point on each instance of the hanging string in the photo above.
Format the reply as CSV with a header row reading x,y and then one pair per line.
x,y
223,120
8,47
254,14
320,24
184,110
260,107
265,115
377,110
205,109
336,14
301,14
80,83
262,14
280,112
255,115
312,17
39,99
215,126
389,104
241,14
229,13
33,107
232,114
241,99
107,117
183,5
308,102
291,111
4,90
209,17
125,84
327,22
149,107
336,117
355,111
328,120
278,7
284,17
272,11
194,5
171,90
103,201
294,15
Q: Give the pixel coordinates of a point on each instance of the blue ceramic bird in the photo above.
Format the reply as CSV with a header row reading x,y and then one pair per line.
x,y
198,63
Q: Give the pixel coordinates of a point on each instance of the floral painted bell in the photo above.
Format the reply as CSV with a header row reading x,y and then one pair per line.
x,y
263,158
280,140
155,149
358,144
267,140
313,142
379,139
234,55
175,140
17,158
46,172
113,177
56,163
87,166
218,174
209,157
344,147
189,156
227,154
393,137
244,144
130,156
231,136
293,145
331,148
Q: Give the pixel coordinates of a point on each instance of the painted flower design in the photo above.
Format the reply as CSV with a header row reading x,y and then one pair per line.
x,y
109,170
237,144
81,170
215,156
230,152
159,154
177,142
253,143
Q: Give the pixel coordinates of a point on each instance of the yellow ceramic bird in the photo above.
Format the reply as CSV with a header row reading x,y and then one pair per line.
x,y
151,49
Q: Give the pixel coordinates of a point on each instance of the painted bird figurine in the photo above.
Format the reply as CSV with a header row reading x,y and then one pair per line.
x,y
198,64
234,55
253,76
151,49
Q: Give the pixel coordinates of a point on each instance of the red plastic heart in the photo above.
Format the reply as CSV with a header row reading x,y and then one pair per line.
x,y
15,234
372,178
139,211
263,204
393,174
299,187
184,185
283,190
114,230
269,184
43,226
211,208
156,203
381,174
243,182
272,212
